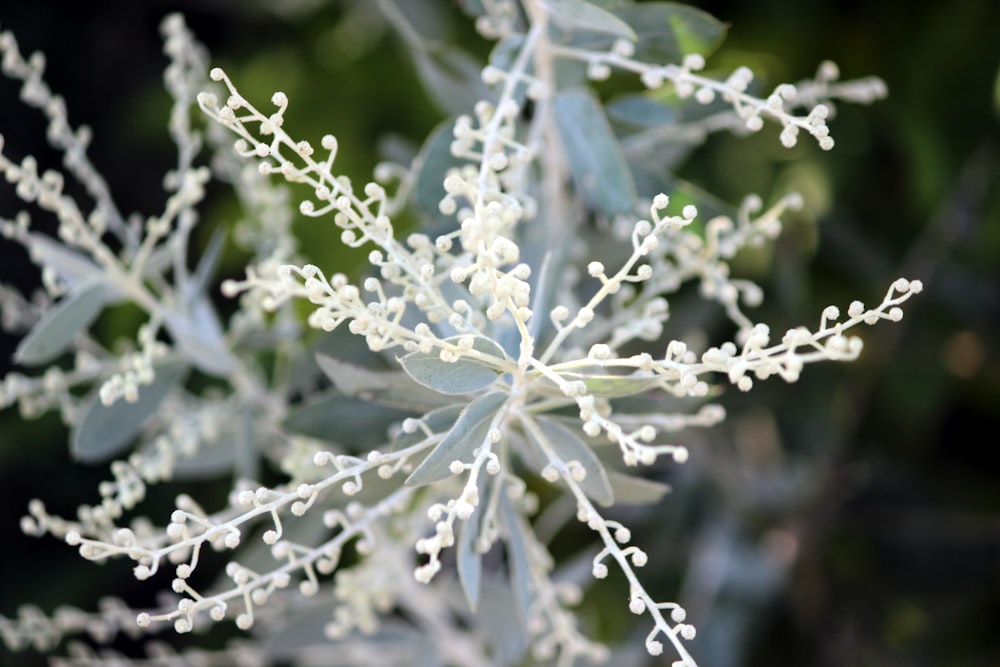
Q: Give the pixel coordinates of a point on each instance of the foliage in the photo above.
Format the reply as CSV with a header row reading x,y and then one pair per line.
x,y
509,381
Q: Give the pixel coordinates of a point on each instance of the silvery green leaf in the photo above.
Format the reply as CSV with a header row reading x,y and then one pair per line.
x,y
465,375
207,264
568,446
518,561
198,335
599,169
614,386
641,110
632,490
211,460
393,388
667,31
106,430
468,434
55,331
432,165
350,421
194,324
581,15
501,629
436,421
71,266
451,78
470,566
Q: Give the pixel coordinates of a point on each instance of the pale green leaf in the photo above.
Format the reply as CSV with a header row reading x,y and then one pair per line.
x,y
470,566
632,490
55,331
573,15
600,172
451,77
667,31
465,375
432,165
436,421
568,446
350,421
393,388
106,430
518,561
469,433
614,386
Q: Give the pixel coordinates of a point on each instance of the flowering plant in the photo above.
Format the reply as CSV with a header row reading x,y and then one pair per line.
x,y
509,361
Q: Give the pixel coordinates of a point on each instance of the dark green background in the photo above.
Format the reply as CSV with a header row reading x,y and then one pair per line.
x,y
899,549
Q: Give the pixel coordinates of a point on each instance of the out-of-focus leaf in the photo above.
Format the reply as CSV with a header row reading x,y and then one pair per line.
x,y
349,421
599,169
568,446
194,325
451,78
518,561
468,433
667,31
470,565
465,375
433,164
436,421
581,15
52,334
614,386
72,267
641,111
632,490
106,430
393,388
198,335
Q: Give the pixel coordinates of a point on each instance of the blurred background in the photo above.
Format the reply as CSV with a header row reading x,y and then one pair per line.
x,y
850,519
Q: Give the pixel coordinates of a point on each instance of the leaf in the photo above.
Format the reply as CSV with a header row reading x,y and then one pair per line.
x,y
470,565
432,166
518,562
468,433
105,430
349,421
198,335
459,377
668,31
393,388
580,15
55,331
614,386
632,490
568,446
599,169
436,421
451,78
641,110
71,266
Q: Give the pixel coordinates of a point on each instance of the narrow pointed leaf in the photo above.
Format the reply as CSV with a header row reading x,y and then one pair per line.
x,y
470,565
468,433
436,421
568,446
581,15
55,331
459,377
518,561
614,386
598,166
349,421
632,490
106,430
393,388
667,31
